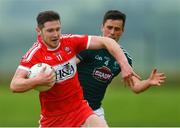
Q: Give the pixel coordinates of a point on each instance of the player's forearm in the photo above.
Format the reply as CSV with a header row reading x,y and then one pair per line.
x,y
22,85
140,86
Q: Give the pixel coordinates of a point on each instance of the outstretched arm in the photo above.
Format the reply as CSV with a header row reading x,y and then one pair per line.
x,y
115,50
155,79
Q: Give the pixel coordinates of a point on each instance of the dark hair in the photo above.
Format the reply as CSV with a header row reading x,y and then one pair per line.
x,y
114,15
46,16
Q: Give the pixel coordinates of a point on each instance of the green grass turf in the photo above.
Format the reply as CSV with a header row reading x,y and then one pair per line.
x,y
155,107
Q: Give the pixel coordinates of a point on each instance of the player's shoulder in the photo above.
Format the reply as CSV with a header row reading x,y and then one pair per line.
x,y
126,53
34,49
70,36
124,49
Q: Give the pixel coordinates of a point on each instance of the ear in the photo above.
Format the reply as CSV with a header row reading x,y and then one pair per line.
x,y
38,30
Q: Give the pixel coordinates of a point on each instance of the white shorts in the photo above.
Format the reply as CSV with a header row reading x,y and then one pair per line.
x,y
100,113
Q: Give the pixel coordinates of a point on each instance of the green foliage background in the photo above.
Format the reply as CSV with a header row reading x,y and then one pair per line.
x,y
158,106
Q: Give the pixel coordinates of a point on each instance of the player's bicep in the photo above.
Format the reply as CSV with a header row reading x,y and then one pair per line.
x,y
20,73
96,42
18,77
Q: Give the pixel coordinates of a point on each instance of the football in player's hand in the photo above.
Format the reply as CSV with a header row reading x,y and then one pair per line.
x,y
35,69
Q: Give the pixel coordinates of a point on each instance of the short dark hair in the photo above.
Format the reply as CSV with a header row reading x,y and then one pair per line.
x,y
114,15
46,16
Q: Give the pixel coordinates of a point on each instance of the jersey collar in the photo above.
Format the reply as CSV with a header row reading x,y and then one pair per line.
x,y
39,39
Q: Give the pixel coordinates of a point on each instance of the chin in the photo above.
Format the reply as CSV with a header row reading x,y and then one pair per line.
x,y
55,44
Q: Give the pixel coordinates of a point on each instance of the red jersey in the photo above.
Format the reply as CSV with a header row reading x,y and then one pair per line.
x,y
66,95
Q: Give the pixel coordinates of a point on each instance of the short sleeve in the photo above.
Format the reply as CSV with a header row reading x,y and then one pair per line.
x,y
79,42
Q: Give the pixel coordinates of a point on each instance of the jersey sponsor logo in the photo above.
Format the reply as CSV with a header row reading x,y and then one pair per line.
x,y
66,70
102,74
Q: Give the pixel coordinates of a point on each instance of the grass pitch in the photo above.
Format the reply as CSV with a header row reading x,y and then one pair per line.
x,y
155,107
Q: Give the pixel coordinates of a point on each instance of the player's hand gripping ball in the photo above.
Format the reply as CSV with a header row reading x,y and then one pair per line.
x,y
35,69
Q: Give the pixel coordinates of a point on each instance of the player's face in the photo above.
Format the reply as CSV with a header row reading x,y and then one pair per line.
x,y
113,29
51,33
